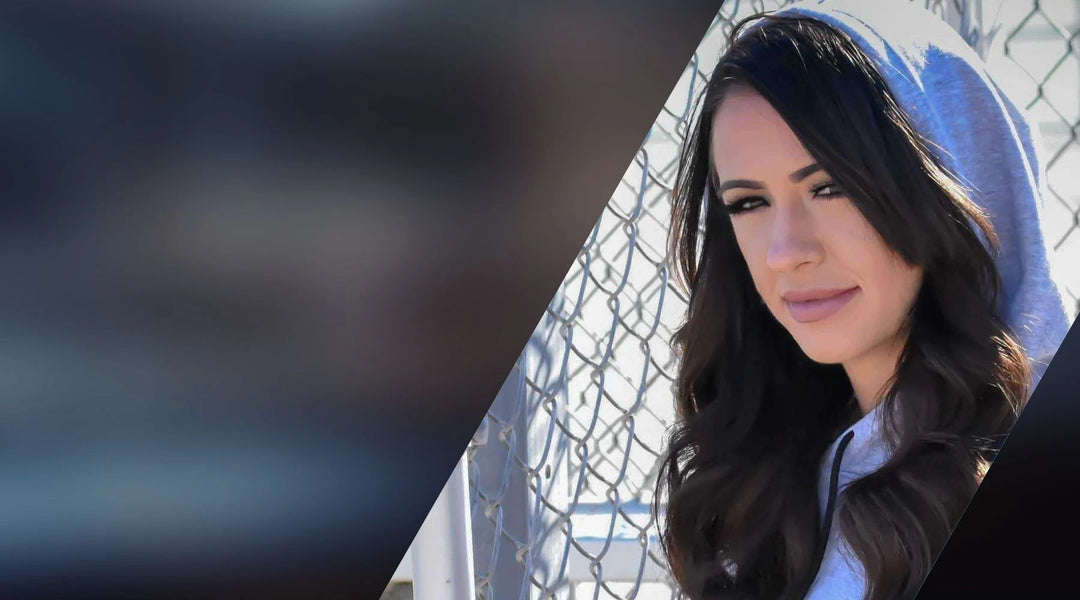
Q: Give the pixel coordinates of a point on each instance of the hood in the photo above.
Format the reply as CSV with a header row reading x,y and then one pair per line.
x,y
980,135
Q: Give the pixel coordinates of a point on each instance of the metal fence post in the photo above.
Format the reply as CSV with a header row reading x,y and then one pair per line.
x,y
519,476
442,550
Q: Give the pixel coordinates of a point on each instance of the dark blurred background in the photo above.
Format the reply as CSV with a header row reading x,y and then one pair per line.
x,y
263,267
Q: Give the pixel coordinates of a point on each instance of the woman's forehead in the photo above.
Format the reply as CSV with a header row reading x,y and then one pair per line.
x,y
749,135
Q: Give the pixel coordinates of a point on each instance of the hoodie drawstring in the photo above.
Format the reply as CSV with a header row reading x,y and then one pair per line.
x,y
834,480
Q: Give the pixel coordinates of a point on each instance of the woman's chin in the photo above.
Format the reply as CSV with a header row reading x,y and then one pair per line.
x,y
826,354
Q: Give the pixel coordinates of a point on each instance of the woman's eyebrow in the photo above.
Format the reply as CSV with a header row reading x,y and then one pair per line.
x,y
804,172
795,177
740,183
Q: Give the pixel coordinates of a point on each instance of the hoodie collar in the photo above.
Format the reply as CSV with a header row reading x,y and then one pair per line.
x,y
863,454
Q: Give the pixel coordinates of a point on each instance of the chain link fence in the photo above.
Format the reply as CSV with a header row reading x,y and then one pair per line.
x,y
562,469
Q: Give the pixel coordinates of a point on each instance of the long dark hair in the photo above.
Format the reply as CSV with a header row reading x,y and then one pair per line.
x,y
756,414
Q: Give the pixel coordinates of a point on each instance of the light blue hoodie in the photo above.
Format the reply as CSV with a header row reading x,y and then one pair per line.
x,y
944,88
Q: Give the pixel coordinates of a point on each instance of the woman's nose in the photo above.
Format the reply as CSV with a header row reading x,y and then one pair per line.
x,y
793,241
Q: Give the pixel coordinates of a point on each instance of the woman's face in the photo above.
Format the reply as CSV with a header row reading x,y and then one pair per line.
x,y
823,271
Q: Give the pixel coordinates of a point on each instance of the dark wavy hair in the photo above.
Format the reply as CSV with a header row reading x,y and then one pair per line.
x,y
756,415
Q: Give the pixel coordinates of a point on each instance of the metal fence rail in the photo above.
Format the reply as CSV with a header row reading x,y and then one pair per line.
x,y
562,468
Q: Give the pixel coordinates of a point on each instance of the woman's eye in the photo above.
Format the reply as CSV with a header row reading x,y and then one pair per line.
x,y
742,205
827,190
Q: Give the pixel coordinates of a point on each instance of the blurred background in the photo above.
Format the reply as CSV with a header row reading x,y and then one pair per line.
x,y
266,264
558,480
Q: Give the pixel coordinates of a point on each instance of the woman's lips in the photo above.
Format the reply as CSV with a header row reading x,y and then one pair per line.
x,y
814,305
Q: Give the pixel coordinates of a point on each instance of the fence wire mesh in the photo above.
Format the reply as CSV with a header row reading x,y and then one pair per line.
x,y
562,469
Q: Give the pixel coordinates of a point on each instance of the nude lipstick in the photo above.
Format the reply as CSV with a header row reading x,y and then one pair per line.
x,y
807,306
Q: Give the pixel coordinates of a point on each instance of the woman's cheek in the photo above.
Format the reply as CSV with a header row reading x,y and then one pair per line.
x,y
754,253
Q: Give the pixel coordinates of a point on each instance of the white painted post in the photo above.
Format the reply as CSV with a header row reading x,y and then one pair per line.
x,y
442,552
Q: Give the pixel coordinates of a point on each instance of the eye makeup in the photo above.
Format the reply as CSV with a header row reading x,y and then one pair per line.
x,y
744,204
822,191
818,190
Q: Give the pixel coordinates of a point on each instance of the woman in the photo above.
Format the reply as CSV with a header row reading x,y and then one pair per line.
x,y
856,219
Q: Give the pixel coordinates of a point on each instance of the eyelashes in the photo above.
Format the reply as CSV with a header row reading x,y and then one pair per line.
x,y
834,192
744,204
